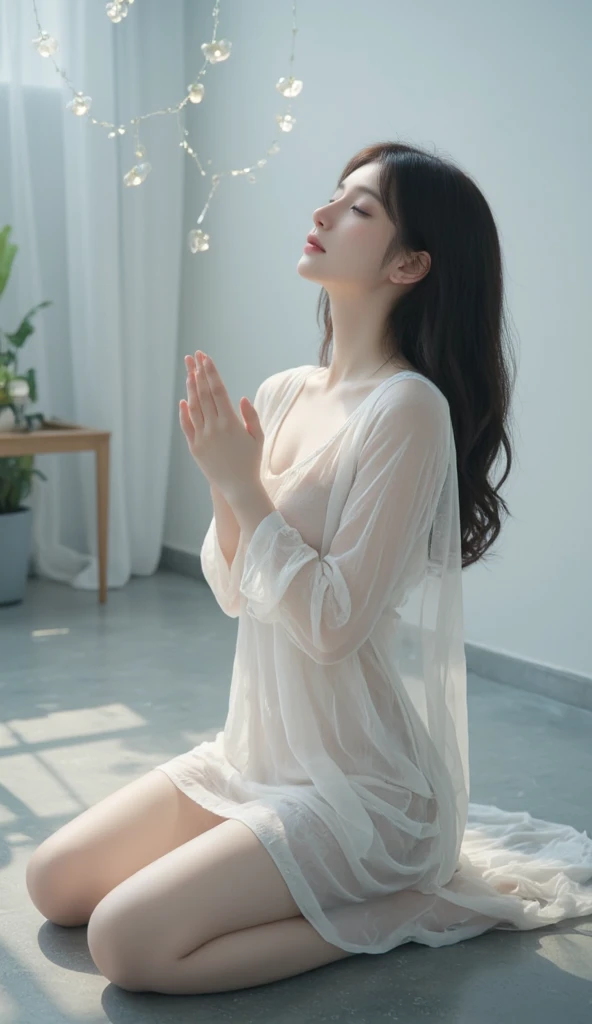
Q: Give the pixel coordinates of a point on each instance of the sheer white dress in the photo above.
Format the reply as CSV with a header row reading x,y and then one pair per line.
x,y
345,747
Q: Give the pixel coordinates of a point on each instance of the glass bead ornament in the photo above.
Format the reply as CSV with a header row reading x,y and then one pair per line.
x,y
137,175
80,105
217,51
289,87
286,122
198,240
196,92
45,45
117,10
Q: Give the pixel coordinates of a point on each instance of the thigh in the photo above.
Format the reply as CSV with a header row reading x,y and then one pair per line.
x,y
220,882
75,868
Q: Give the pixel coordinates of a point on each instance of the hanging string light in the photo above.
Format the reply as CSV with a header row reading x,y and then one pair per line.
x,y
216,51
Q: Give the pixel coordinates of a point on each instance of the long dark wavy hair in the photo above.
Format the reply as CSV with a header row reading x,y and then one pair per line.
x,y
452,326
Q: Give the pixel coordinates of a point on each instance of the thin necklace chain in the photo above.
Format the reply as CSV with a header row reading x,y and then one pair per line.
x,y
380,367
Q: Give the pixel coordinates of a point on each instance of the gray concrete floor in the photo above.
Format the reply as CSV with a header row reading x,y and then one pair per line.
x,y
120,688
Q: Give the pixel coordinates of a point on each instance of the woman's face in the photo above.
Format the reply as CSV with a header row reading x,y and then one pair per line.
x,y
355,231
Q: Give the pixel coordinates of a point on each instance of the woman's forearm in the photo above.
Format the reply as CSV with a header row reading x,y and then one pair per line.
x,y
227,527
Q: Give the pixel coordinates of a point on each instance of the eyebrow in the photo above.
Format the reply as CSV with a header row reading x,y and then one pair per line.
x,y
363,188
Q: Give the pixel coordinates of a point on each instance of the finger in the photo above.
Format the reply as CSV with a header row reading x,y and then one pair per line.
x,y
208,405
218,390
194,402
190,366
185,420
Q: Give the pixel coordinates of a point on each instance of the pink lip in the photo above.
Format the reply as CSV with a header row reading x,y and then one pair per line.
x,y
312,248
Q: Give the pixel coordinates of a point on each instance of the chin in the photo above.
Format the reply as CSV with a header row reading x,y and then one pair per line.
x,y
306,269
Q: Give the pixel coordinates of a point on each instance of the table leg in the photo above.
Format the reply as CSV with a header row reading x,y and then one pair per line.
x,y
102,464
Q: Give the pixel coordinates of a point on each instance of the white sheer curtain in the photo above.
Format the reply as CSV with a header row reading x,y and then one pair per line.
x,y
108,257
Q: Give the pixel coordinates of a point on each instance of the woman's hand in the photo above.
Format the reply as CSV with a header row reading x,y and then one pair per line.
x,y
227,451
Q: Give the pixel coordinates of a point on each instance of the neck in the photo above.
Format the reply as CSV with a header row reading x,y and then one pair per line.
x,y
358,325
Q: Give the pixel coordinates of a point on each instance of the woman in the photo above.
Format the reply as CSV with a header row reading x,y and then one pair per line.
x,y
330,816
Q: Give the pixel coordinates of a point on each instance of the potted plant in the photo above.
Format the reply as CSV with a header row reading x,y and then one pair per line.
x,y
16,472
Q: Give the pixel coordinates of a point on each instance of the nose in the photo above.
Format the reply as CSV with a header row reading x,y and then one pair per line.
x,y
319,216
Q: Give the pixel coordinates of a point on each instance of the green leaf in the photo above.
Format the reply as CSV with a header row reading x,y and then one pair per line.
x,y
32,382
16,474
7,254
25,328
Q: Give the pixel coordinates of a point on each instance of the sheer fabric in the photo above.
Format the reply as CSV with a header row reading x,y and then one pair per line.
x,y
345,747
90,353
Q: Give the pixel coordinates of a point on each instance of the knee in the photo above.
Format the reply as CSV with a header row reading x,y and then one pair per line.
x,y
115,951
48,878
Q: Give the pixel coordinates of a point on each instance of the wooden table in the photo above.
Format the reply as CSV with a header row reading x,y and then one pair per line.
x,y
58,436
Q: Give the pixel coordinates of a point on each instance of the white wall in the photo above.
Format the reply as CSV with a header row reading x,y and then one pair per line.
x,y
500,89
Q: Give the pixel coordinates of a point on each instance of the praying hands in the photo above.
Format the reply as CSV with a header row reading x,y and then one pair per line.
x,y
227,449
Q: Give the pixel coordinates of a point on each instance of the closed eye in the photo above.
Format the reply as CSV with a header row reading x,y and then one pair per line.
x,y
356,208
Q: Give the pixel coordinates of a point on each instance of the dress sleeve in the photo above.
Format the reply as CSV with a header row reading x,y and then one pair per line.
x,y
224,581
329,606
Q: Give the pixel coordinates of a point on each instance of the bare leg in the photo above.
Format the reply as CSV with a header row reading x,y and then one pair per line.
x,y
72,870
254,956
159,930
